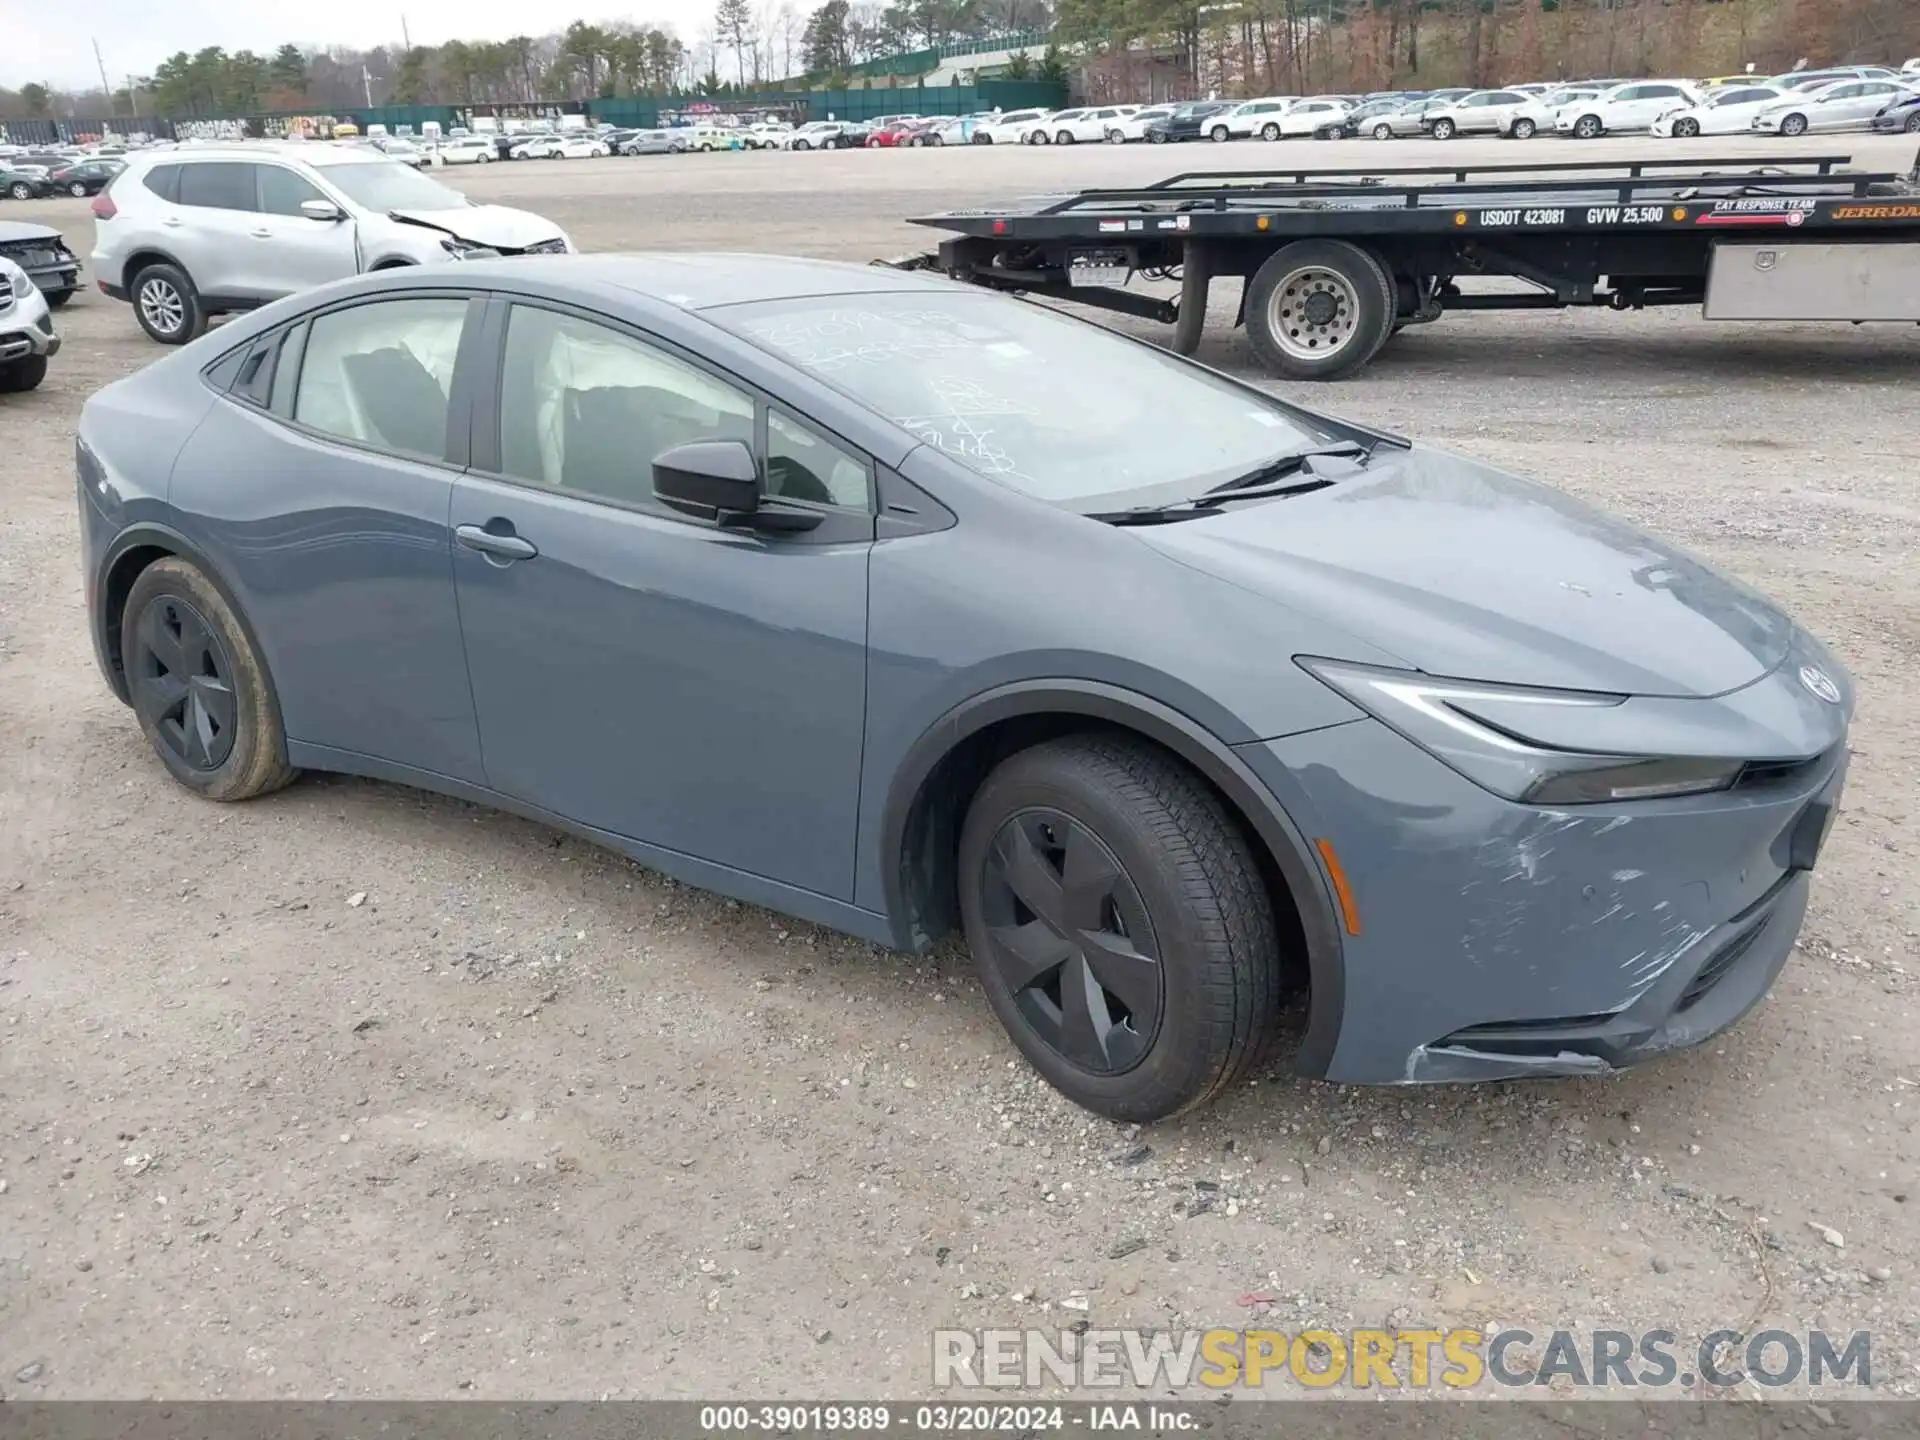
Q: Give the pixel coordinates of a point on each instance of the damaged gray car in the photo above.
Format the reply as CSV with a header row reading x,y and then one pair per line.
x,y
906,608
189,233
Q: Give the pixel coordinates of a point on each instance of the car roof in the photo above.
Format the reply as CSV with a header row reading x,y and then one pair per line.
x,y
703,281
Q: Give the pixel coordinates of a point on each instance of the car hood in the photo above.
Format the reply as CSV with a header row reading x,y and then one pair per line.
x,y
495,226
12,231
1460,570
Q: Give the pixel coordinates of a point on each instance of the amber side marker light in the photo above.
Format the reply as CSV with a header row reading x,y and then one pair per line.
x,y
1349,912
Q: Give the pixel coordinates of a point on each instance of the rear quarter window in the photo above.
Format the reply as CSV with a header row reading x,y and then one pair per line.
x,y
164,181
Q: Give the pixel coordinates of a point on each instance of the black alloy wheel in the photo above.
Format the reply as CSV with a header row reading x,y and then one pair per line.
x,y
198,688
1119,924
1069,937
182,682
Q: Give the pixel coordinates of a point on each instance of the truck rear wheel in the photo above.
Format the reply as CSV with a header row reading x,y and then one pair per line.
x,y
1319,309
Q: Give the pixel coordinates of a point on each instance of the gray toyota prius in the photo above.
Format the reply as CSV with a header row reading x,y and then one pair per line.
x,y
901,607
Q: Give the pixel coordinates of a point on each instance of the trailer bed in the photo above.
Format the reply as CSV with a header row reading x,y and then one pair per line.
x,y
1338,260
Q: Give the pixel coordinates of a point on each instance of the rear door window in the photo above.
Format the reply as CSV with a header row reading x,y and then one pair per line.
x,y
164,181
217,185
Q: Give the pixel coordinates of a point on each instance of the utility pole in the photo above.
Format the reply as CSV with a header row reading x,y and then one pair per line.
x,y
105,87
406,40
366,84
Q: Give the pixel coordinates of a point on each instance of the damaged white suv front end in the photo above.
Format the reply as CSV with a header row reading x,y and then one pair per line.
x,y
27,338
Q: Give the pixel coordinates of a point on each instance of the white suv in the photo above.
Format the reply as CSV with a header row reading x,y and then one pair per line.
x,y
190,233
1634,106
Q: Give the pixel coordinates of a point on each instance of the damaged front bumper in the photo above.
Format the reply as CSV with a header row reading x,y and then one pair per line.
x,y
1497,939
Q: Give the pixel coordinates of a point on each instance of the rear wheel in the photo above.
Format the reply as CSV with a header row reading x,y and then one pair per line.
x,y
19,376
198,688
1913,123
78,190
1116,137
1120,926
20,190
167,305
1319,309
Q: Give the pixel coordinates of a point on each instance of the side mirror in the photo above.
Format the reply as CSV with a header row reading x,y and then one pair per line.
x,y
710,479
719,480
322,210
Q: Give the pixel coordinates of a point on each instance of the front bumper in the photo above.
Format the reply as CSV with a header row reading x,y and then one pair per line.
x,y
26,330
1497,939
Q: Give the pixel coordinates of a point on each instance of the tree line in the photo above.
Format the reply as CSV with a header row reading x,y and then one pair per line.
x,y
1118,48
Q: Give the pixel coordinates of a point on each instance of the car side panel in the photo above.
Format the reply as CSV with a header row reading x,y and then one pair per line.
x,y
341,560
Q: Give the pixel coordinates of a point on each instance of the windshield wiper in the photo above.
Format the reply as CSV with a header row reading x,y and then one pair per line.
x,y
1264,482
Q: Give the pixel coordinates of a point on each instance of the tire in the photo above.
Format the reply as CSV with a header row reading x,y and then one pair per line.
x,y
1686,129
803,144
981,139
1298,334
873,144
1116,137
1156,137
199,690
20,190
1588,127
1039,137
1064,137
56,298
1219,135
19,376
1269,131
1521,129
1184,890
78,189
1383,131
935,140
1443,129
1912,126
1794,125
166,304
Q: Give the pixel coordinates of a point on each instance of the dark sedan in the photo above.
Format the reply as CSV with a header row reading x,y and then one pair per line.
x,y
1187,122
23,184
89,177
1900,114
900,606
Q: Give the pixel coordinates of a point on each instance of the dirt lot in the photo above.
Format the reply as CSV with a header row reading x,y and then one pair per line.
x,y
532,1122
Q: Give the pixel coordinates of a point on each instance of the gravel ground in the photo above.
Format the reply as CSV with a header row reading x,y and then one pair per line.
x,y
356,1091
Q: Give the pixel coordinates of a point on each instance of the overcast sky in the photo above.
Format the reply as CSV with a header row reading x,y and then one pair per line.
x,y
47,42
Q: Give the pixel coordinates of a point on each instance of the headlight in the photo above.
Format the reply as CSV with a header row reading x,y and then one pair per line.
x,y
1437,716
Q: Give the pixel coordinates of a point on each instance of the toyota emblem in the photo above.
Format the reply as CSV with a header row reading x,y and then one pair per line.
x,y
1820,684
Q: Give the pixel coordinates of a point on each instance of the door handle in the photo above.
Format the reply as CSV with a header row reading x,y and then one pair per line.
x,y
504,545
172,220
261,234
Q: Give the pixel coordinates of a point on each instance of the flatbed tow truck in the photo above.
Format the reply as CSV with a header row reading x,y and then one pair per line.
x,y
1336,261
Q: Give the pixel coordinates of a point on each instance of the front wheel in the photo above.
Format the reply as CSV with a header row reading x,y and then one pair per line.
x,y
982,139
1218,134
1522,130
20,190
1269,131
1443,129
1686,129
1156,137
1319,309
1588,127
1120,925
78,190
802,145
198,687
1065,137
19,376
1383,131
1794,125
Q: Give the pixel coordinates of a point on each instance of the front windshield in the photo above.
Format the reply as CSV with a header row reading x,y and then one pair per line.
x,y
1043,403
391,186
